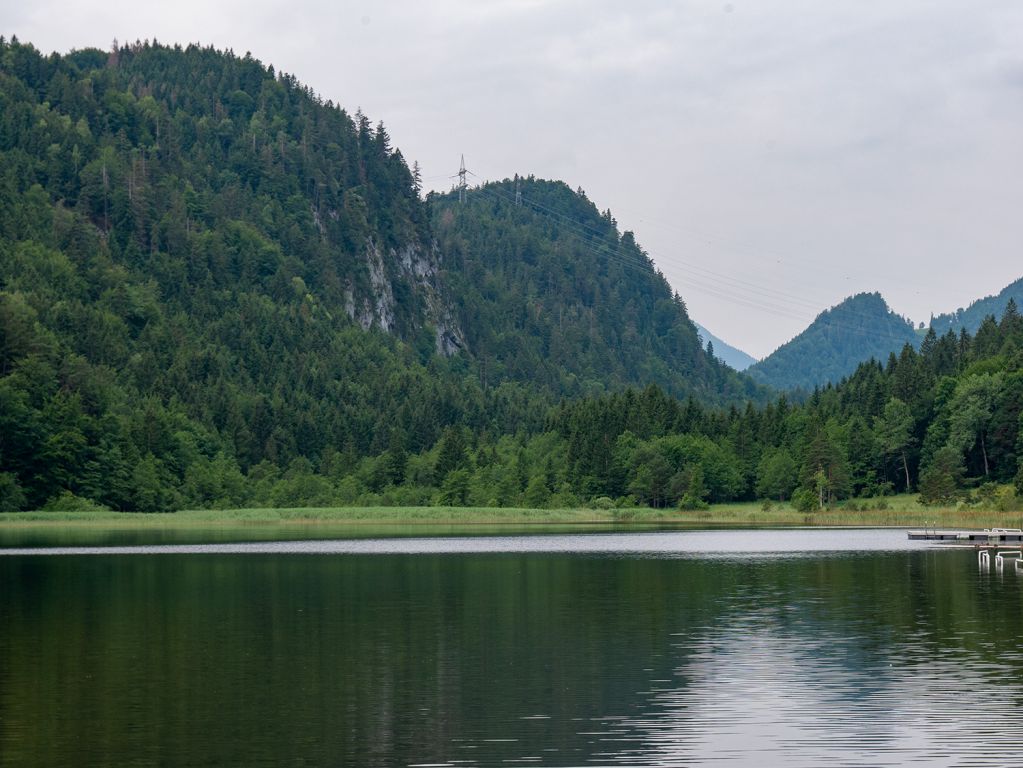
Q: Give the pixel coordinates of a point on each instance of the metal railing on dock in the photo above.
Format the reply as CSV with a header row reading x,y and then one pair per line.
x,y
1001,555
1014,555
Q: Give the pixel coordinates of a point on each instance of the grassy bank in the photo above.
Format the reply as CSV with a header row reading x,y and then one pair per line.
x,y
900,511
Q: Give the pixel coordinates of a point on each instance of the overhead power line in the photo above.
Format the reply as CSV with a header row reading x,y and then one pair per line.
x,y
721,286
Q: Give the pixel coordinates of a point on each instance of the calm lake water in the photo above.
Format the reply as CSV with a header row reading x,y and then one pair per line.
x,y
793,647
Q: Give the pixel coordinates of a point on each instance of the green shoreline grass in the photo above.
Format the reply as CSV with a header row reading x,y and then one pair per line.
x,y
902,511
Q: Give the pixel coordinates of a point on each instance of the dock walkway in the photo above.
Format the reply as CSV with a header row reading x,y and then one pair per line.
x,y
987,536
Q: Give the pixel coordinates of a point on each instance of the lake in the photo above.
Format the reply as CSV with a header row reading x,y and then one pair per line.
x,y
774,647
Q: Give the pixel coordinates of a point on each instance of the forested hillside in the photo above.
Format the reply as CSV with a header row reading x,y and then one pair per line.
x,y
218,289
941,421
860,328
209,275
971,317
550,292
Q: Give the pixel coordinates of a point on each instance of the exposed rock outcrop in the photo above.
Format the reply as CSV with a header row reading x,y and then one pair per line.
x,y
418,267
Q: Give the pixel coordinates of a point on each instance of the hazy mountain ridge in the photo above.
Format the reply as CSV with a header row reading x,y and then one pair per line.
x,y
971,317
835,343
730,355
858,329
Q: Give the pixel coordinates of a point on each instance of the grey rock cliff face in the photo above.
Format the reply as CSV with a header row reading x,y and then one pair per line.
x,y
418,267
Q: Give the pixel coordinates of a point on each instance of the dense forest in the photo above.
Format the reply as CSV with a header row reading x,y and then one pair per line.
x,y
945,421
218,288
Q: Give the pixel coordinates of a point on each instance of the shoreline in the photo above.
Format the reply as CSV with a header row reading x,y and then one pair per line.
x,y
902,512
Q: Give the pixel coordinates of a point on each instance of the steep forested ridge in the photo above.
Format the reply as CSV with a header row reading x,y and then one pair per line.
x,y
218,289
549,291
207,272
858,329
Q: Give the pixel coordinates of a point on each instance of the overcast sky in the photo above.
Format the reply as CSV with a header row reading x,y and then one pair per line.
x,y
773,156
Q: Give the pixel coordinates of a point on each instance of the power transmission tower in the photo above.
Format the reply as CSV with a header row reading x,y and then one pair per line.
x,y
461,181
518,192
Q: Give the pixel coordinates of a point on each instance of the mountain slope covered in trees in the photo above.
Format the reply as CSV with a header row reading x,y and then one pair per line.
x,y
218,289
208,272
550,292
858,329
971,317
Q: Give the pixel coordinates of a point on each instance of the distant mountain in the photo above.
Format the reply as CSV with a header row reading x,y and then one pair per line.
x,y
724,351
971,317
861,327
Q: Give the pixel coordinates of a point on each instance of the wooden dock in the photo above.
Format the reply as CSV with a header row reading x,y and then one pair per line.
x,y
987,536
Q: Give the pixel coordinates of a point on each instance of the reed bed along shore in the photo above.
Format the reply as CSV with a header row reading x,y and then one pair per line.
x,y
894,511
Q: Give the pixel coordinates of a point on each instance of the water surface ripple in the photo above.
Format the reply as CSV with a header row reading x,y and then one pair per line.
x,y
658,543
